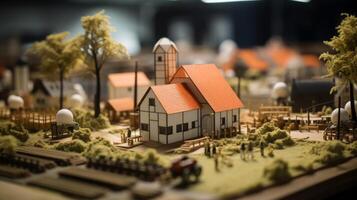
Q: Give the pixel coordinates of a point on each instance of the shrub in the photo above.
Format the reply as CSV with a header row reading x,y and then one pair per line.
x,y
8,144
77,146
270,151
82,134
278,144
353,148
98,151
287,141
151,156
278,134
86,119
18,131
265,128
277,172
329,153
305,168
99,147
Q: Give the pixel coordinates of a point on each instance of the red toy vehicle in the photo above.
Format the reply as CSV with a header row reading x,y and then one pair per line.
x,y
185,167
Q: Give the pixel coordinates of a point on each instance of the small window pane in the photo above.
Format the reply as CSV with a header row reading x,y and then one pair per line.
x,y
185,126
169,130
178,128
144,127
234,118
162,130
223,121
151,102
194,124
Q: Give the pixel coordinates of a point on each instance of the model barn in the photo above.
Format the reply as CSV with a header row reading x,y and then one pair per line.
x,y
197,101
121,85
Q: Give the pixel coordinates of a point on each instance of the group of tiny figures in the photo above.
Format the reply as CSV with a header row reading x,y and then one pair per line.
x,y
246,151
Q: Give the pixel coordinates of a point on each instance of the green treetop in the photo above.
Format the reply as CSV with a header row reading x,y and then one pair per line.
x,y
342,63
57,56
97,47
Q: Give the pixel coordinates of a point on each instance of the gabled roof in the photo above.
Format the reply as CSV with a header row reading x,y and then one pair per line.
x,y
52,88
212,86
127,79
121,104
165,44
252,60
174,98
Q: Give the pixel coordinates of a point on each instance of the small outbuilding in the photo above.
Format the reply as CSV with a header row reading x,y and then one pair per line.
x,y
121,85
119,109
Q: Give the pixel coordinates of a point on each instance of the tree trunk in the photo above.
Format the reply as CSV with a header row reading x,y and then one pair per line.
x,y
61,89
97,94
352,101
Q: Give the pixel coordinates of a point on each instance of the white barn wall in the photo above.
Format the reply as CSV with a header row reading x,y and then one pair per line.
x,y
121,92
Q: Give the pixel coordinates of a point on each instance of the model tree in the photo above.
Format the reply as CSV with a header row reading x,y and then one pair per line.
x,y
57,56
97,47
342,63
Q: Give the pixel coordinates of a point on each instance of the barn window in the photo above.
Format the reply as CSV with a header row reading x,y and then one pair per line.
x,y
165,130
185,127
194,124
169,130
223,121
144,127
178,128
162,130
151,102
234,118
159,58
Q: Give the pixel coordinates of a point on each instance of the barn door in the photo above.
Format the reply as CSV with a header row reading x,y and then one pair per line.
x,y
154,135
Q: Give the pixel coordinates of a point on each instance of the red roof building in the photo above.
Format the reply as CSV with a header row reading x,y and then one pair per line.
x,y
197,102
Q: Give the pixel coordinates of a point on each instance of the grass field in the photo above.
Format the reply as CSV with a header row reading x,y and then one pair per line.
x,y
247,175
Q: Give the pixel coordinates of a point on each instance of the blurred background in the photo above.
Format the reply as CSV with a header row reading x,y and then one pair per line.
x,y
264,40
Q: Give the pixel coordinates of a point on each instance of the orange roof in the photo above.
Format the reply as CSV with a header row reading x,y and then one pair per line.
x,y
311,60
126,79
122,104
251,59
281,56
211,84
175,98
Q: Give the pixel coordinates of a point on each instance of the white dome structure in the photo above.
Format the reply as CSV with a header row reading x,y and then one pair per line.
x,y
64,116
76,101
280,90
348,107
15,102
343,115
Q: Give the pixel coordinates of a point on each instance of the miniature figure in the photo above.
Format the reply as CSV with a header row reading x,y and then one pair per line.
x,y
242,151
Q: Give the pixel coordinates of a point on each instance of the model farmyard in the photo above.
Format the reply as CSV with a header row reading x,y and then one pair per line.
x,y
185,134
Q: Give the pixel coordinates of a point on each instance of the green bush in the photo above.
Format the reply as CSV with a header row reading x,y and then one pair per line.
x,y
278,144
329,153
86,119
265,128
8,144
77,146
151,156
278,134
277,172
18,131
353,148
82,134
287,141
99,147
270,150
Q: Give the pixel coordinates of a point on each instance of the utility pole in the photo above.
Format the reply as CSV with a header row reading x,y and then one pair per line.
x,y
136,87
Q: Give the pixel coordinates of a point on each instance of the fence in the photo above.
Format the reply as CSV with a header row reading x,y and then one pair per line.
x,y
31,119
